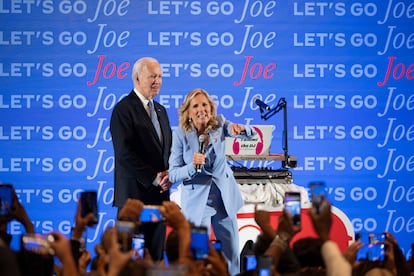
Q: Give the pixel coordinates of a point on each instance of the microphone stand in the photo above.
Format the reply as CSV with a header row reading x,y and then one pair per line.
x,y
286,163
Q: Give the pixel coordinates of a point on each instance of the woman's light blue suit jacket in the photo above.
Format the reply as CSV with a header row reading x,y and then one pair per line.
x,y
196,187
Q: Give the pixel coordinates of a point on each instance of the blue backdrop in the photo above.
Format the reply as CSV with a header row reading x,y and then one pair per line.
x,y
345,68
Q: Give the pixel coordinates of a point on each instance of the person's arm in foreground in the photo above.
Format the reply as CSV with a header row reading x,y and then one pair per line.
x,y
216,264
335,262
175,219
262,219
117,259
63,251
78,231
280,244
17,212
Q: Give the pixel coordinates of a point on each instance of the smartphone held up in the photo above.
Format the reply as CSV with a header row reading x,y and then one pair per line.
x,y
249,262
6,199
125,233
138,244
37,243
317,189
293,207
263,265
373,246
199,242
151,213
89,204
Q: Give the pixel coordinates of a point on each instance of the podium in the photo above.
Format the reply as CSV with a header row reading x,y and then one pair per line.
x,y
265,185
266,188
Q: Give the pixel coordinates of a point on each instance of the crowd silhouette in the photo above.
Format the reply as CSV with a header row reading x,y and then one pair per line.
x,y
273,253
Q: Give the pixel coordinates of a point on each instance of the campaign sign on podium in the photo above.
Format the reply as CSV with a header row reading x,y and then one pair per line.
x,y
258,145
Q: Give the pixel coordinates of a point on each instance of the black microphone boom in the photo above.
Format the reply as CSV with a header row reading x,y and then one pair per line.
x,y
201,149
261,104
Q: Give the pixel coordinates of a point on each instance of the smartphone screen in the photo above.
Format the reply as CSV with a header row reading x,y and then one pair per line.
x,y
263,265
249,262
37,243
125,231
199,242
6,199
151,213
317,194
138,243
293,206
374,247
89,204
217,245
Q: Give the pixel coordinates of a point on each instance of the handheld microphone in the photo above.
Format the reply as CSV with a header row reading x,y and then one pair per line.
x,y
201,149
261,104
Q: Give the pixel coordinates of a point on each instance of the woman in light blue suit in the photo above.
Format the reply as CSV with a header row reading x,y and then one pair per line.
x,y
209,195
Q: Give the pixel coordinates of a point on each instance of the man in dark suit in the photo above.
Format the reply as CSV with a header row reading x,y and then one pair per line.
x,y
141,154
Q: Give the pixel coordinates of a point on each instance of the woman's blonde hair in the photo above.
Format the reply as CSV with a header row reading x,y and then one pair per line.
x,y
185,121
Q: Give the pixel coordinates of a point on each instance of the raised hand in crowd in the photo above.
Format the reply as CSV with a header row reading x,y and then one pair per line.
x,y
284,261
84,261
215,264
286,227
131,210
400,263
394,262
117,258
262,219
335,262
16,212
79,228
275,242
176,220
8,262
99,263
322,220
63,251
389,260
351,251
77,242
